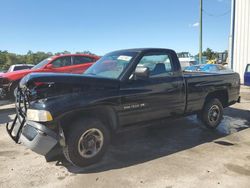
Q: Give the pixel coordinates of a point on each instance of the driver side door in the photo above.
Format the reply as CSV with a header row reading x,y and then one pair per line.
x,y
61,65
159,96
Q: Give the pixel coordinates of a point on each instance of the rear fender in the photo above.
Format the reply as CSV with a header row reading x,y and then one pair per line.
x,y
222,95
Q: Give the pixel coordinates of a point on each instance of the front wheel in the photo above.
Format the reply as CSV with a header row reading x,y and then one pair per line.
x,y
212,113
86,142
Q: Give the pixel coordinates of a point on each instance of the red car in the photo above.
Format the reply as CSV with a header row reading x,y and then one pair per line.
x,y
70,63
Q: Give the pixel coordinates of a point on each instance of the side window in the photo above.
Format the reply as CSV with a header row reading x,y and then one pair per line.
x,y
62,62
20,68
159,64
81,60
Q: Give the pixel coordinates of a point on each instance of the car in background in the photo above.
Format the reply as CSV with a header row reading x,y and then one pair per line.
x,y
213,68
247,75
67,63
19,67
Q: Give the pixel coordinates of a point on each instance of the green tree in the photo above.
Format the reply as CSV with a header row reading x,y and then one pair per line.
x,y
3,59
210,54
86,52
64,52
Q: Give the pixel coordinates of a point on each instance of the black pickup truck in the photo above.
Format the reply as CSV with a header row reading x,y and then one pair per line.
x,y
124,89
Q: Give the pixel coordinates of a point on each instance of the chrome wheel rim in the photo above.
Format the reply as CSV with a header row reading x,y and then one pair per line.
x,y
214,114
90,143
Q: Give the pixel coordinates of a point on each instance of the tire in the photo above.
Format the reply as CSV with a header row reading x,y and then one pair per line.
x,y
76,149
211,114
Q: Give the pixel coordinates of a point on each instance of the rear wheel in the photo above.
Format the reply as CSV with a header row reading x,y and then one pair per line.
x,y
212,113
86,142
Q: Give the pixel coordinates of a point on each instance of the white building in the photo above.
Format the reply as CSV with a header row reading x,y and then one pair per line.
x,y
239,49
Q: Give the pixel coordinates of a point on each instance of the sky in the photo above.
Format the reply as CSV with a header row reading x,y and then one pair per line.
x,y
101,26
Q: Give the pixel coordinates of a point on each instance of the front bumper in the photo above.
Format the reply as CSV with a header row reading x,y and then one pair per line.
x,y
33,135
38,137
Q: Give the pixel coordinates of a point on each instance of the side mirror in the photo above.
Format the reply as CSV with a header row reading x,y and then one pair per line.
x,y
49,66
141,73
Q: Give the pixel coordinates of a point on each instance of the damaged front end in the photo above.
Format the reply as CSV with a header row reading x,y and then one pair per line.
x,y
32,134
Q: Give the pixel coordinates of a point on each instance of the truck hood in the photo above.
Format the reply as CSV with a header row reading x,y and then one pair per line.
x,y
45,85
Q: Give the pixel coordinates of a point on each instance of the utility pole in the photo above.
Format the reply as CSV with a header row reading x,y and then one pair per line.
x,y
231,48
200,50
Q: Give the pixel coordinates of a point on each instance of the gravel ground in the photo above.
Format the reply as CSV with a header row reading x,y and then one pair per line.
x,y
179,153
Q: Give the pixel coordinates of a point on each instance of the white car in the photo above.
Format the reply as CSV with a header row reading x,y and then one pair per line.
x,y
19,67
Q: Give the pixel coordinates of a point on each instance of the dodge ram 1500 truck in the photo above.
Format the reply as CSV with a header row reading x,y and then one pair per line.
x,y
124,89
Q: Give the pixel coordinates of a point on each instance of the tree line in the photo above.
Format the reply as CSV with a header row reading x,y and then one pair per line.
x,y
7,58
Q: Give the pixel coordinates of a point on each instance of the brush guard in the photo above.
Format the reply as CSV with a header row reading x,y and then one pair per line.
x,y
22,104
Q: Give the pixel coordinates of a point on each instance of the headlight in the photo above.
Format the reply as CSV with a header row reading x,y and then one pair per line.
x,y
39,115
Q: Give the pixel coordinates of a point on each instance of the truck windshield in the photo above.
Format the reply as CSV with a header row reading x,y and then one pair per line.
x,y
41,64
111,65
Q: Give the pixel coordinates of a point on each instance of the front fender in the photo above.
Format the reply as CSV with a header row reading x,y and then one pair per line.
x,y
58,106
105,113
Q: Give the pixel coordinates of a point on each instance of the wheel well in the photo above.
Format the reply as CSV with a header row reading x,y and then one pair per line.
x,y
222,95
105,114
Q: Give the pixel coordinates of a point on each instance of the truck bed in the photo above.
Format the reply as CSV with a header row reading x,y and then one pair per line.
x,y
200,84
